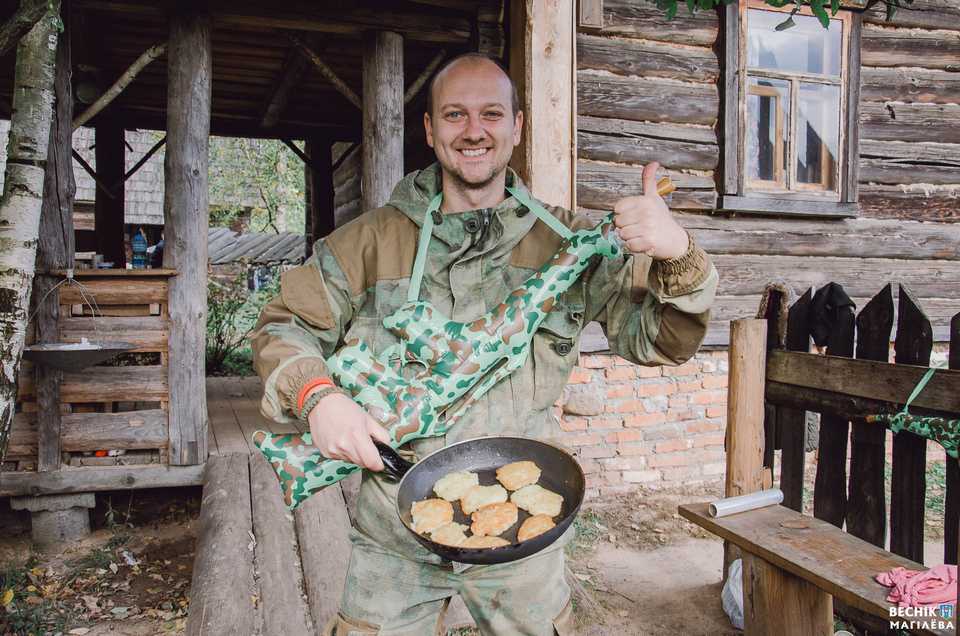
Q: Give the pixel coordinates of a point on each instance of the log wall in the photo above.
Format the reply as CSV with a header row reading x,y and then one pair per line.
x,y
649,89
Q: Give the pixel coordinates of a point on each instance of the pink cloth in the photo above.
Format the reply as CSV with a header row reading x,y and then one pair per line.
x,y
913,589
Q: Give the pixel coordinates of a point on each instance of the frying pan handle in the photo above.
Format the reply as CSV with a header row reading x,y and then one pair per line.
x,y
393,465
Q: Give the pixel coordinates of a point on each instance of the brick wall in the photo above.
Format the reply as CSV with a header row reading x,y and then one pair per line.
x,y
649,426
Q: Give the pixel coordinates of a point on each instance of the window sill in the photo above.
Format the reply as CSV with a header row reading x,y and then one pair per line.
x,y
792,207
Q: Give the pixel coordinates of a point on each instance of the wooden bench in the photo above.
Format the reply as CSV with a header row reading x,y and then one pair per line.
x,y
794,566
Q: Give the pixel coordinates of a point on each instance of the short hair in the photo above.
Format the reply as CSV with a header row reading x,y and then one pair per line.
x,y
514,95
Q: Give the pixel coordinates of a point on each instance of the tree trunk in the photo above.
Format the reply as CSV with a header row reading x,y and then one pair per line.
x,y
22,198
382,116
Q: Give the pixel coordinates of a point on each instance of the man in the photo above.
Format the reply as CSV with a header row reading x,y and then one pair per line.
x,y
653,302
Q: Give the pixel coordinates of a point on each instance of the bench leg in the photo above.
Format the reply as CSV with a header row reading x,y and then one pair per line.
x,y
777,602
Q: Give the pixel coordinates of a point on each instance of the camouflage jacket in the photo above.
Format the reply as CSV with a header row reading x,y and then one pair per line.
x,y
652,313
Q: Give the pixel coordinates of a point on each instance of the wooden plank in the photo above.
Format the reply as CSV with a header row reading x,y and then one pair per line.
x,y
835,561
602,185
69,480
382,116
897,121
883,46
279,572
323,530
909,85
128,430
907,151
647,21
249,406
867,508
918,202
778,602
951,514
850,135
756,204
913,344
222,590
109,384
117,291
641,99
792,422
223,420
645,58
185,205
924,14
865,378
633,149
591,14
731,99
830,492
663,131
898,171
148,333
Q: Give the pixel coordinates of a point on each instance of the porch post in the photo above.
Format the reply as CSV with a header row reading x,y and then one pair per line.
x,y
382,116
108,220
185,213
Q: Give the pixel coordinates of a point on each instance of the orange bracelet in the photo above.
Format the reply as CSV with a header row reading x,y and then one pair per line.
x,y
310,386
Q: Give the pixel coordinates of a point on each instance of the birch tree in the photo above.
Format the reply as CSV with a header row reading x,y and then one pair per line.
x,y
22,198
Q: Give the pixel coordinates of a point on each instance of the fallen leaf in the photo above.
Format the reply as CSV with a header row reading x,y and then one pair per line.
x,y
79,631
7,597
114,568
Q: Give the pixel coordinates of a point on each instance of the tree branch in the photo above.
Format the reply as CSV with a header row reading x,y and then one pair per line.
x,y
16,27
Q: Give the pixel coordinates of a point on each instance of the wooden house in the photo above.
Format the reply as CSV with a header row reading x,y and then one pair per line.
x,y
802,155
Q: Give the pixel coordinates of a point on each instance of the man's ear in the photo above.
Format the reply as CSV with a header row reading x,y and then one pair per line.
x,y
517,127
428,128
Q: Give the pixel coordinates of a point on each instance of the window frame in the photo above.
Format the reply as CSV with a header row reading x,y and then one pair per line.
x,y
801,202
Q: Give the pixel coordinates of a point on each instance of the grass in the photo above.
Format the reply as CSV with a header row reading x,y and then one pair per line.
x,y
28,609
587,531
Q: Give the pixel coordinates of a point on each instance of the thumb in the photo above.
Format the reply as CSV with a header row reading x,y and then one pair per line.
x,y
377,432
650,178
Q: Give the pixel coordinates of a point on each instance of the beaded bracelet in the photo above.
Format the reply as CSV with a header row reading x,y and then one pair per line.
x,y
311,402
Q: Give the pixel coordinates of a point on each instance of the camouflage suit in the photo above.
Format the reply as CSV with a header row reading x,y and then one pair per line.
x,y
653,313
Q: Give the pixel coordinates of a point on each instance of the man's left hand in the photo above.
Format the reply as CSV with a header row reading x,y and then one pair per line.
x,y
645,223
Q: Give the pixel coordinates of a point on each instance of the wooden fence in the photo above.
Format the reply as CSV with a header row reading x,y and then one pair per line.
x,y
843,392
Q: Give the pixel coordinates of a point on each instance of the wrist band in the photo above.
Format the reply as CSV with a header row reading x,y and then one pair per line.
x,y
311,402
309,386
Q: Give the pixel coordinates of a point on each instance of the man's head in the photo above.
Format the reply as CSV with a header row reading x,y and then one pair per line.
x,y
473,120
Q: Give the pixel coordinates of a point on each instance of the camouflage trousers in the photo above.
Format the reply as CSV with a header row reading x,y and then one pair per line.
x,y
388,595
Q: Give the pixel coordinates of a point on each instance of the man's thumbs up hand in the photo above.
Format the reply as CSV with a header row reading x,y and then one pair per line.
x,y
645,223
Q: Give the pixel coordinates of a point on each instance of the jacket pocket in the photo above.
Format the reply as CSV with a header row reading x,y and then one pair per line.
x,y
556,349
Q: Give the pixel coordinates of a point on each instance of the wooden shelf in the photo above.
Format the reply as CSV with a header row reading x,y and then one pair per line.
x,y
134,273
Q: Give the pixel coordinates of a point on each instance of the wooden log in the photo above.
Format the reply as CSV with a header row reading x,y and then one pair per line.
x,y
646,59
294,68
633,149
883,46
867,508
327,72
911,203
55,247
222,590
279,572
185,204
900,171
417,85
647,21
382,116
894,121
122,82
120,290
792,422
108,208
641,99
744,434
319,218
909,85
148,333
17,25
931,153
830,492
661,130
775,601
602,185
913,345
923,14
68,480
951,513
108,384
323,530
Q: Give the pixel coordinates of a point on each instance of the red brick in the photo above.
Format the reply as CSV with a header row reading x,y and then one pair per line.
x,y
573,423
620,374
670,445
624,406
716,411
670,459
708,440
709,397
679,400
582,439
605,423
661,431
597,452
658,388
589,466
708,455
681,473
679,415
641,476
618,437
629,450
690,386
612,491
579,375
623,463
649,372
715,381
645,419
701,426
594,361
620,391
687,368
622,362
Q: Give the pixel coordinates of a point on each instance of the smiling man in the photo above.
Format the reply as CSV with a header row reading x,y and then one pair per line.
x,y
653,303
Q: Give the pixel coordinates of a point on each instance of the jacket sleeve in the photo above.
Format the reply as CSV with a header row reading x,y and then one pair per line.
x,y
303,325
653,312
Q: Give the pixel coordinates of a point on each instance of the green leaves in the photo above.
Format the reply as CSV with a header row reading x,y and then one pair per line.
x,y
817,7
820,8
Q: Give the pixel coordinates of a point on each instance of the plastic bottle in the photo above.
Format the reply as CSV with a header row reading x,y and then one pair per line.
x,y
139,250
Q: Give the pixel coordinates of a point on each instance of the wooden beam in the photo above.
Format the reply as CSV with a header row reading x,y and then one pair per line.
x,y
305,158
185,204
54,252
294,69
326,71
145,158
93,174
110,152
122,82
427,73
29,12
777,601
382,116
68,480
320,219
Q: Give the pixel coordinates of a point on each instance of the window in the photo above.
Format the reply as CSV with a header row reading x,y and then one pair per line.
x,y
790,112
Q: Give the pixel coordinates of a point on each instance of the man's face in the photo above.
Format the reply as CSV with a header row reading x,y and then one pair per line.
x,y
472,128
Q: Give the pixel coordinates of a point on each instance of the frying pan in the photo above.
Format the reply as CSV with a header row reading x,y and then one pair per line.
x,y
560,473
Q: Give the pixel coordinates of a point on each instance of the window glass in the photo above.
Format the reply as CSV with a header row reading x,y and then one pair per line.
x,y
768,118
818,128
804,48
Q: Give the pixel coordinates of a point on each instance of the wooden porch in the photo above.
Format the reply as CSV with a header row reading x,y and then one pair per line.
x,y
233,405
